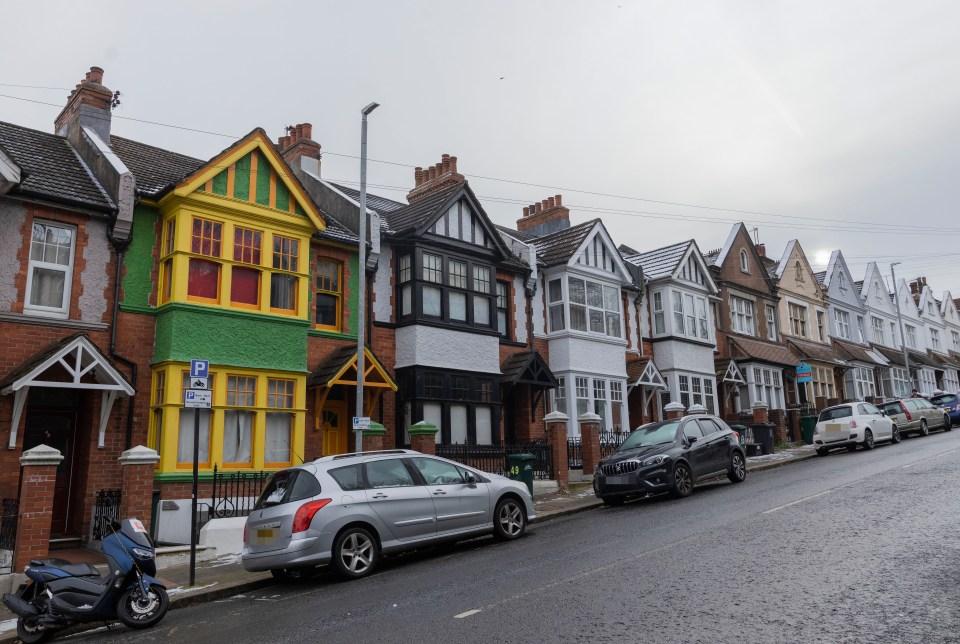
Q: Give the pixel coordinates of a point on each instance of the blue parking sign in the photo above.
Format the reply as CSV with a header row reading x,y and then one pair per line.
x,y
199,368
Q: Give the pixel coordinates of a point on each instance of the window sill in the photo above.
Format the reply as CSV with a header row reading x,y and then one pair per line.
x,y
26,318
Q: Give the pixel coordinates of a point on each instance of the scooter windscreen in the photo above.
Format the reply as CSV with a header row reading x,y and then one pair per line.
x,y
134,530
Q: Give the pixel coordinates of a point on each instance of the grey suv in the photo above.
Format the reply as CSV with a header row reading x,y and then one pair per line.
x,y
347,510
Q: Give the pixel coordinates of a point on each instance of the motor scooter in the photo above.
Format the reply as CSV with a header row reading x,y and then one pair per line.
x,y
59,594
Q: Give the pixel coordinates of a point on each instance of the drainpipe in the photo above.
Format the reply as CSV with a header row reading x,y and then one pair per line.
x,y
121,248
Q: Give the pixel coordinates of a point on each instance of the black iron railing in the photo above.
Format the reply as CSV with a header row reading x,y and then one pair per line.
x,y
234,493
574,453
493,458
8,523
106,507
609,442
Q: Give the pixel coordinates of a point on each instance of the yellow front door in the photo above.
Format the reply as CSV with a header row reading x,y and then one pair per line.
x,y
334,427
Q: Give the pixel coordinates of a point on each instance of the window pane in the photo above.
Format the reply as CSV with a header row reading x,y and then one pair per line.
x,y
578,292
613,325
611,299
481,310
283,291
431,301
458,306
481,279
203,279
458,274
594,294
237,436
286,253
556,317
578,317
458,423
596,321
405,268
277,440
47,288
326,310
185,437
406,300
432,268
556,291
245,286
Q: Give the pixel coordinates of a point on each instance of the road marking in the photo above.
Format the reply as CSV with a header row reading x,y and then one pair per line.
x,y
787,505
467,613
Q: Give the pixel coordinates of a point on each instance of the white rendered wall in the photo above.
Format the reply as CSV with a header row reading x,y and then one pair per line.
x,y
448,349
382,289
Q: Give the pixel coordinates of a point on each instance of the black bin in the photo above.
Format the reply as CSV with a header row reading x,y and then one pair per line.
x,y
763,434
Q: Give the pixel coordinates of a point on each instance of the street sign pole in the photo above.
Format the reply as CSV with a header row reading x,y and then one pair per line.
x,y
193,504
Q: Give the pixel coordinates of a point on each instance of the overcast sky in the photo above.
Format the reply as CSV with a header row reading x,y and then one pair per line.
x,y
832,122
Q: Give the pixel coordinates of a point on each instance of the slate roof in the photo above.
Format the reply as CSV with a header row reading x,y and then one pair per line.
x,y
660,262
852,351
413,215
711,258
559,247
821,276
374,202
750,349
154,168
516,234
815,351
52,169
893,355
337,232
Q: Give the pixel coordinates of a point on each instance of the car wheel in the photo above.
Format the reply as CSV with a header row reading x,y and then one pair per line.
x,y
947,425
682,480
924,430
867,439
822,451
738,468
290,575
614,501
355,553
895,434
509,519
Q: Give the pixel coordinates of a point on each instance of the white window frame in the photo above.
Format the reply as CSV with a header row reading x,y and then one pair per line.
x,y
659,321
742,317
798,324
764,384
842,318
771,313
744,261
876,328
934,339
62,311
956,340
911,332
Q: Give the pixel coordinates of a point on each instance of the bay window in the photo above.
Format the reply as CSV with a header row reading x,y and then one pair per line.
x,y
447,289
859,383
463,406
766,386
659,325
593,307
696,390
50,269
895,382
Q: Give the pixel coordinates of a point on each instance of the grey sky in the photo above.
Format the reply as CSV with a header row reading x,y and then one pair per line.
x,y
812,111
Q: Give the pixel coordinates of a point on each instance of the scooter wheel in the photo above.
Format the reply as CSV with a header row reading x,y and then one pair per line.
x,y
137,611
31,633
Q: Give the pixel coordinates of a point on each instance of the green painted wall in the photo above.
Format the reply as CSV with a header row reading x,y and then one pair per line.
x,y
353,287
241,179
283,196
186,332
139,261
263,181
220,183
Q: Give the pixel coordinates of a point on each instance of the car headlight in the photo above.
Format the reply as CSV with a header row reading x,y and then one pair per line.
x,y
596,470
656,460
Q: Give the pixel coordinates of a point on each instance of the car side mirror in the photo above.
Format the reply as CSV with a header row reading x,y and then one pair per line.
x,y
471,480
691,439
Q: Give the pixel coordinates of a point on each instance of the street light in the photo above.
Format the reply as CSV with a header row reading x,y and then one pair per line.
x,y
903,340
362,294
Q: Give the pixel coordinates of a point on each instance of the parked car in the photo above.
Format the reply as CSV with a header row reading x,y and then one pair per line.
x,y
916,415
350,509
949,403
670,456
852,424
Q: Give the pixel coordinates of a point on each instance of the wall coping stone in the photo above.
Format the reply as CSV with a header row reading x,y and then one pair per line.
x,y
41,455
139,455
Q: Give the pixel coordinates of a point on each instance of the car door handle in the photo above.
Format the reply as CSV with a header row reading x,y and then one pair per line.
x,y
438,492
379,495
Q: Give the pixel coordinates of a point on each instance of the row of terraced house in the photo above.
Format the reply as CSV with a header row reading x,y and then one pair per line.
x,y
120,262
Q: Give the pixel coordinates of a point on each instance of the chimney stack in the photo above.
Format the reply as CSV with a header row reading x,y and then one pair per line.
x,y
761,250
545,217
88,105
299,150
427,181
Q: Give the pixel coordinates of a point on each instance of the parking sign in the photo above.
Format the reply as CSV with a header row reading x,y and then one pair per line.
x,y
199,368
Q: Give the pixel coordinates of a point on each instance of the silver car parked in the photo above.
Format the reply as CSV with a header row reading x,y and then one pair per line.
x,y
916,415
347,510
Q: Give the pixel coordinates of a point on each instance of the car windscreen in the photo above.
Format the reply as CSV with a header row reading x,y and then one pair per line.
x,y
652,434
944,399
287,486
891,408
835,413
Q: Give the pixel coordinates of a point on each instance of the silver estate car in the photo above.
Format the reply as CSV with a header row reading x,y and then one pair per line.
x,y
347,510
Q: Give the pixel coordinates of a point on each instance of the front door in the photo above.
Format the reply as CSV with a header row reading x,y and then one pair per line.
x,y
333,425
55,429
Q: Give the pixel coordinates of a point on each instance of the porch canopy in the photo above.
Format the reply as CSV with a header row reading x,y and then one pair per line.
x,y
644,373
340,368
528,368
73,362
857,353
814,352
749,350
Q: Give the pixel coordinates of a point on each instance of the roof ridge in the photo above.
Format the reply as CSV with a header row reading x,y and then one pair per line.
x,y
159,149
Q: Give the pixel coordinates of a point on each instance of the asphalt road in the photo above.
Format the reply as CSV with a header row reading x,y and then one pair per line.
x,y
854,547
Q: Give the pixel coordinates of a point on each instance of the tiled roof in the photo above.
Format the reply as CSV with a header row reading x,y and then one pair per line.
x,y
154,168
815,351
750,349
943,361
660,262
821,276
852,351
559,247
516,234
893,355
626,250
711,257
326,370
527,367
51,168
374,202
415,214
337,232
635,369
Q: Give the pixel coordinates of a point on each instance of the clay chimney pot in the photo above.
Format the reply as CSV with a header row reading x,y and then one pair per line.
x,y
526,211
307,131
559,200
299,130
95,75
453,165
552,202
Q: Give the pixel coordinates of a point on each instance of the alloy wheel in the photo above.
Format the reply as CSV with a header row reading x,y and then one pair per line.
x,y
682,480
357,553
511,519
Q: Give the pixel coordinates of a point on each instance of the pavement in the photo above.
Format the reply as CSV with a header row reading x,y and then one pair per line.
x,y
225,577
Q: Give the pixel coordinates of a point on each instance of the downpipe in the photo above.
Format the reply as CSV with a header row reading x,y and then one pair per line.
x,y
121,249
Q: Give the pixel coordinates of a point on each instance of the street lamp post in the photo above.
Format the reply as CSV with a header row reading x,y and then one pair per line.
x,y
362,291
903,340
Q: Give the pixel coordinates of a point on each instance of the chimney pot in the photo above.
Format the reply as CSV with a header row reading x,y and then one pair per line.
x,y
453,165
417,176
446,163
299,130
307,131
95,75
762,250
526,211
552,202
559,200
544,204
